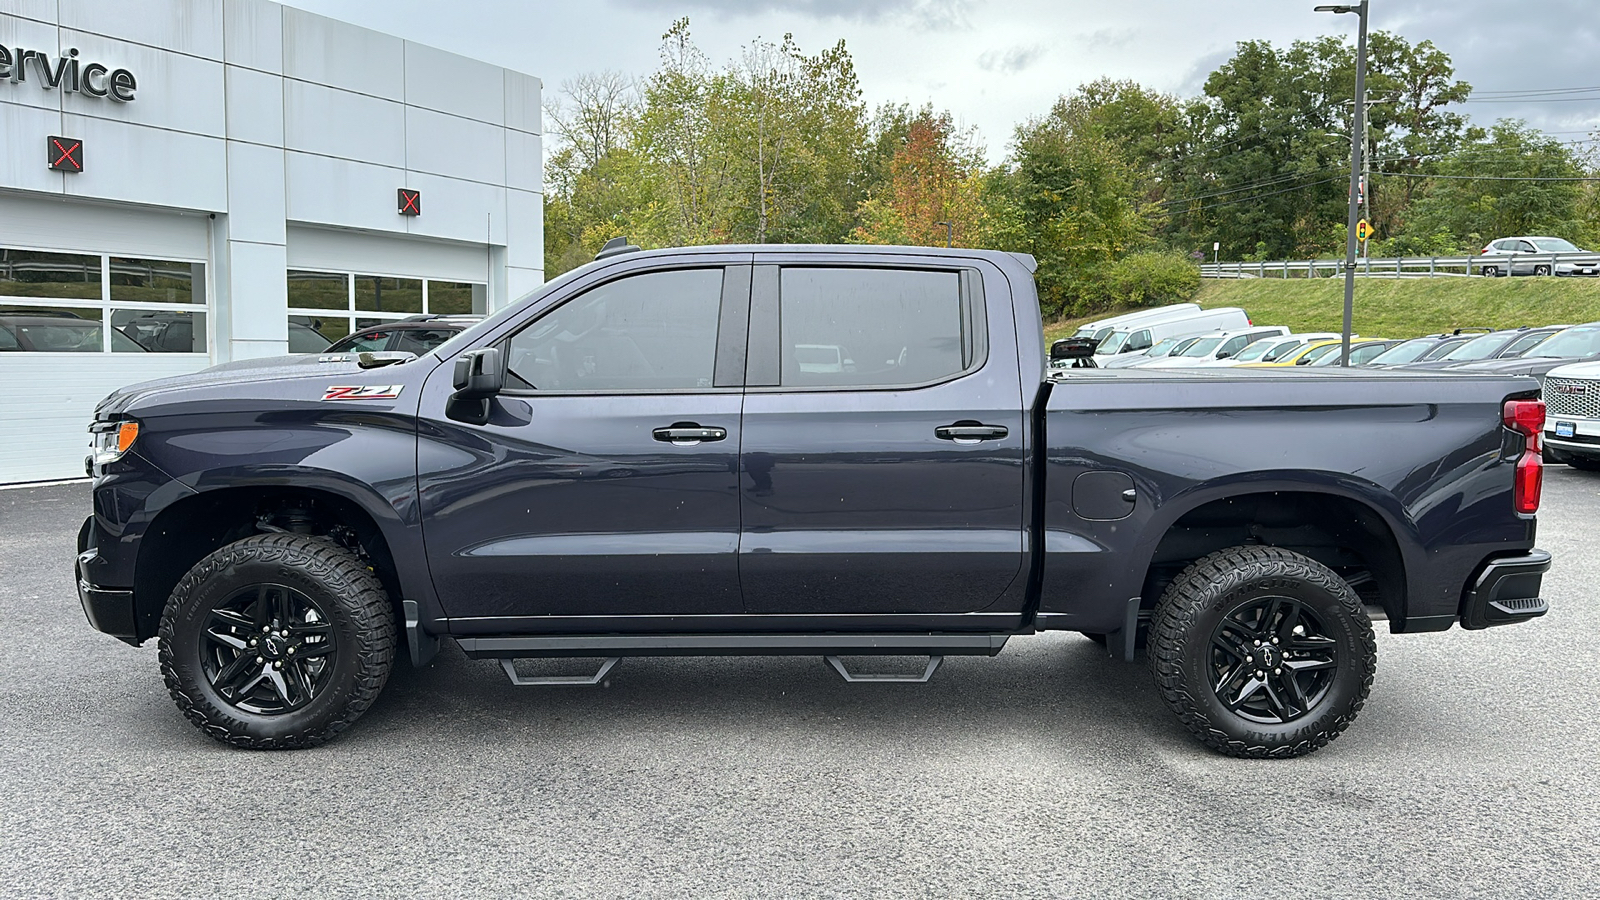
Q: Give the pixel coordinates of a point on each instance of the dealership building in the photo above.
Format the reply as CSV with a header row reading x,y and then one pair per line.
x,y
187,182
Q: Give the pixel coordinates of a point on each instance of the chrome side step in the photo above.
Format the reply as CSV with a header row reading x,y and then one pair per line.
x,y
838,666
510,665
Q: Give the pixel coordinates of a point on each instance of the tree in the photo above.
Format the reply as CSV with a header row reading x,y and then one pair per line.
x,y
1489,189
1076,200
933,176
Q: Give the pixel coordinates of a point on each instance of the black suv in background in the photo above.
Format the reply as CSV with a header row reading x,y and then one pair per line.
x,y
418,335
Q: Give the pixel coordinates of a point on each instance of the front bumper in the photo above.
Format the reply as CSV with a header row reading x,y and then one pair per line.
x,y
109,610
1506,591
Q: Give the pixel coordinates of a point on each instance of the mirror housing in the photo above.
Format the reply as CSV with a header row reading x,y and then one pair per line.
x,y
1073,348
478,374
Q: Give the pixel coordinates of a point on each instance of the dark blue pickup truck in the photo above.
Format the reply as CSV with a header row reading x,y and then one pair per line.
x,y
838,451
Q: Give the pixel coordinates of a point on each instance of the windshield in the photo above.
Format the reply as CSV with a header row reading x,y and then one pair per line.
x,y
1282,350
1441,349
1085,331
1583,340
455,344
1478,348
1112,344
1202,347
1163,347
1556,245
1257,350
1404,353
1316,353
1522,344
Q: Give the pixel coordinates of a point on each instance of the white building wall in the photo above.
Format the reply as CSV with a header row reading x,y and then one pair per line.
x,y
283,135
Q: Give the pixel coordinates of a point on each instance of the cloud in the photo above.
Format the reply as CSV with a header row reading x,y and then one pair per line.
x,y
1011,60
929,15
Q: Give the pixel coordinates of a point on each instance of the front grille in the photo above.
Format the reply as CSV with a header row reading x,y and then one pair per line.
x,y
1558,402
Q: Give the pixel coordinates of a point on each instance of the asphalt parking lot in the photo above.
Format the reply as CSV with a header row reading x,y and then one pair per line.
x,y
1047,771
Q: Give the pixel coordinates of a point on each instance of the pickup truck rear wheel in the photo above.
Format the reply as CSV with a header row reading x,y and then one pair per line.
x,y
277,641
1262,652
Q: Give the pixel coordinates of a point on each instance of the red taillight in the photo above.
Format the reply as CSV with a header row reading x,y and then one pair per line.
x,y
1526,417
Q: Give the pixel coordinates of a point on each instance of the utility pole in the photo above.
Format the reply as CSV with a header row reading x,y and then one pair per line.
x,y
1358,131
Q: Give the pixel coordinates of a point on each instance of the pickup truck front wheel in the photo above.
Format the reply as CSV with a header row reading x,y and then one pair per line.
x,y
1262,652
277,641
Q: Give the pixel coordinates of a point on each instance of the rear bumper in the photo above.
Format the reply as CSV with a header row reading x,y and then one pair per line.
x,y
1506,591
108,609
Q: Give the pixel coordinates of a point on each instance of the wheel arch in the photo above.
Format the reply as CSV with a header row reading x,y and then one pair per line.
x,y
1354,527
188,529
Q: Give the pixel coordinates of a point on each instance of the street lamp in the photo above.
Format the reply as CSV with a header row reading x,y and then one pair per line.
x,y
1358,130
949,233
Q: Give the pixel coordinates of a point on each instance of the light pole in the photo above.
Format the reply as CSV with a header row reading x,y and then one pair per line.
x,y
949,233
1358,130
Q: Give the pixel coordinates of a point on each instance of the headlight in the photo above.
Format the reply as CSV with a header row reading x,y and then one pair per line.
x,y
112,439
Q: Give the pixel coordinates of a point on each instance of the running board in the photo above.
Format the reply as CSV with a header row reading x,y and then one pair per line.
x,y
838,666
617,645
510,665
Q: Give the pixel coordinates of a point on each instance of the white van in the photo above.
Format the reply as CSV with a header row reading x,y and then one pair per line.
x,y
1099,329
1141,337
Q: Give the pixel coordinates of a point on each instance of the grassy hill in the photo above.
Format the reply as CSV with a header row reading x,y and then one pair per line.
x,y
1407,307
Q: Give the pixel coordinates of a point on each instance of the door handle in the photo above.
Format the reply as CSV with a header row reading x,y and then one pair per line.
x,y
969,432
687,434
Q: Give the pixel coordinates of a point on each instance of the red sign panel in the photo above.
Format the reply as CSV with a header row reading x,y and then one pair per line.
x,y
410,202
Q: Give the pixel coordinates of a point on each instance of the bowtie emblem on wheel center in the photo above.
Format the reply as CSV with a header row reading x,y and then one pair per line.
x,y
1271,657
272,647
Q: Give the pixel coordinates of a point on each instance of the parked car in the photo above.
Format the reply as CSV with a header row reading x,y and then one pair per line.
x,y
1418,349
1301,355
1267,347
1361,352
1522,257
1163,348
1580,343
1484,346
417,334
1572,426
42,332
163,332
604,469
1101,329
1142,337
1215,347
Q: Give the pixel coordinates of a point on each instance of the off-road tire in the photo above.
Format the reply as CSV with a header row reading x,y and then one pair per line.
x,y
358,610
1215,586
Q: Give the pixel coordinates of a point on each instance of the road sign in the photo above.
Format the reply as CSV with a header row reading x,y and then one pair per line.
x,y
1363,230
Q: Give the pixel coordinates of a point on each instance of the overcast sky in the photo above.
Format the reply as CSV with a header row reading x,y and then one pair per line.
x,y
993,63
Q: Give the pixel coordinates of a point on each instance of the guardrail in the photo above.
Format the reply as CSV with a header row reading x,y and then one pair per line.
x,y
1401,267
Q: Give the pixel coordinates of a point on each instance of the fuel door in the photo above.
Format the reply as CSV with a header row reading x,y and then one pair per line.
x,y
1103,496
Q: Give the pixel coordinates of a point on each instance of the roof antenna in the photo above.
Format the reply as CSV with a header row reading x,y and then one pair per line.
x,y
616,247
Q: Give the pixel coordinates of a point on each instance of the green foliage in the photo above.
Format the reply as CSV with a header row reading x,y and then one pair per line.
x,y
1474,210
777,146
1146,278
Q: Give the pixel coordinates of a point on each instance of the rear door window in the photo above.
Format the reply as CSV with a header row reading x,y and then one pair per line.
x,y
874,328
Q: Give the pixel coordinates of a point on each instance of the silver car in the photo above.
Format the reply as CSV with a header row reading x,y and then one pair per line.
x,y
1528,249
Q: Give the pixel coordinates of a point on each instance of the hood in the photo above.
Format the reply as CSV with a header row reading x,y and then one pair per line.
x,y
1520,365
253,371
1586,370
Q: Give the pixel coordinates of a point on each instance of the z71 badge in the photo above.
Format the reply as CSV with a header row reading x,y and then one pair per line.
x,y
368,392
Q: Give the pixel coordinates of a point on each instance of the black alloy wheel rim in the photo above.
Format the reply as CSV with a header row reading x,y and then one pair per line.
x,y
1272,661
268,649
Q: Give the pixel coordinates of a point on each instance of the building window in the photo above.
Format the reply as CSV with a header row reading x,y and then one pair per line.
x,y
326,306
57,302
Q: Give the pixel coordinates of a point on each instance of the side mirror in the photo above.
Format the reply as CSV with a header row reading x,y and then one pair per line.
x,y
478,374
1073,348
1225,354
